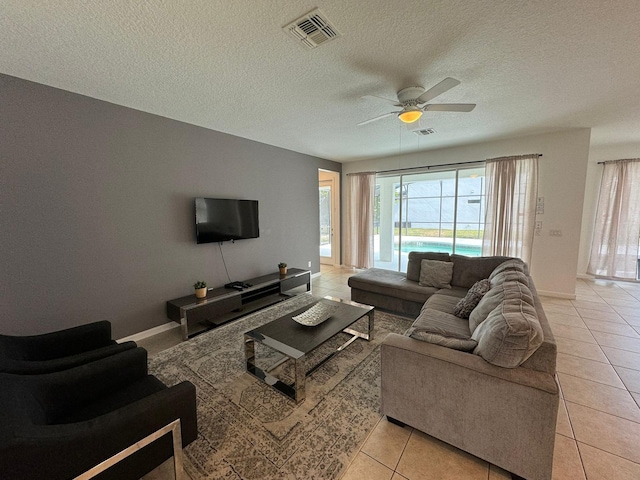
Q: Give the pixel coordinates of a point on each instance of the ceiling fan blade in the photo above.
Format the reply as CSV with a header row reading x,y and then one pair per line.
x,y
446,84
387,100
449,107
377,118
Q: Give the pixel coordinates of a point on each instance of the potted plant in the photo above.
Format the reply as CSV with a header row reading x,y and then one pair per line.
x,y
201,289
283,268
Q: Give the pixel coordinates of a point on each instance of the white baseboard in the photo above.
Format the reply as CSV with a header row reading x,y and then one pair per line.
x,y
150,333
566,296
585,276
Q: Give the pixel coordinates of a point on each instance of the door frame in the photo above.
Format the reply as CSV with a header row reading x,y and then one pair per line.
x,y
331,178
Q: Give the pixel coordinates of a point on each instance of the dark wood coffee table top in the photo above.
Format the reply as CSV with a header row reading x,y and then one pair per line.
x,y
295,340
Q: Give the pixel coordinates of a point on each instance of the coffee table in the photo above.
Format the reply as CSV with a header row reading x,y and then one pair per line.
x,y
296,341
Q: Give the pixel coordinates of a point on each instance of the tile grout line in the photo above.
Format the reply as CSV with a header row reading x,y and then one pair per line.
x,y
584,470
606,451
598,410
403,450
623,366
586,358
624,389
375,460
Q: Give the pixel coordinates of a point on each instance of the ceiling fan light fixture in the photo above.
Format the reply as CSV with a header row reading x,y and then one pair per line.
x,y
410,115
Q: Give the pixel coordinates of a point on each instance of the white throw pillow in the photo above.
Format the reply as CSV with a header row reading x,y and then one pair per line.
x,y
434,273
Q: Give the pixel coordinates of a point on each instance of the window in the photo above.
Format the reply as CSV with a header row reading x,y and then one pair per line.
x,y
440,211
615,250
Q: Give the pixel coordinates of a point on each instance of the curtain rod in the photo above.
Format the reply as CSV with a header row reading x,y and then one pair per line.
x,y
429,166
614,161
435,166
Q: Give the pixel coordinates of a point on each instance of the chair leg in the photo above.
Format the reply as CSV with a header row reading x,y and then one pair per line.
x,y
176,434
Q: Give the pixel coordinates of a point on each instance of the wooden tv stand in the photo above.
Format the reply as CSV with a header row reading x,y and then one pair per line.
x,y
221,305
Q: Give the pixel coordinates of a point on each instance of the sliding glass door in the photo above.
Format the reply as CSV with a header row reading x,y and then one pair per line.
x,y
437,211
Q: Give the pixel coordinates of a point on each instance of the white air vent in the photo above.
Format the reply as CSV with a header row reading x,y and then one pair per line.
x,y
312,30
424,131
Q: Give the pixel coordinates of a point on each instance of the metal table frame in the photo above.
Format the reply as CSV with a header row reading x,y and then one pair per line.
x,y
296,390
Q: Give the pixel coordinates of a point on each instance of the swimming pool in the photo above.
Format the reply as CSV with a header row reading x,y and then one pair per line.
x,y
397,260
433,245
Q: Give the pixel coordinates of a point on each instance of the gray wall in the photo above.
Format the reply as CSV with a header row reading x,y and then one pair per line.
x,y
96,210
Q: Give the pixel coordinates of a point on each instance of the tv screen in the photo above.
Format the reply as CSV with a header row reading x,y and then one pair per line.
x,y
222,219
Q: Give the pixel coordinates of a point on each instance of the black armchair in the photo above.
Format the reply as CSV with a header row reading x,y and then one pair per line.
x,y
55,351
61,424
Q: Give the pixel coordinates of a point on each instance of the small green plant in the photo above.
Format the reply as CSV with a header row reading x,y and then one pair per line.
x,y
282,265
200,284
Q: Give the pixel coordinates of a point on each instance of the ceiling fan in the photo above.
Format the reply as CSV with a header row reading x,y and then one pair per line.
x,y
413,101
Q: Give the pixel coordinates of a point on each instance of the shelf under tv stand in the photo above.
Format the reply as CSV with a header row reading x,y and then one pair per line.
x,y
223,305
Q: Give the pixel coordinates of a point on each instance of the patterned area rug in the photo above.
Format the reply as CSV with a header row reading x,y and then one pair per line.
x,y
248,431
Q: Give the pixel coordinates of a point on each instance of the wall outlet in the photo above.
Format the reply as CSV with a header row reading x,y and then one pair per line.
x,y
538,225
309,264
555,233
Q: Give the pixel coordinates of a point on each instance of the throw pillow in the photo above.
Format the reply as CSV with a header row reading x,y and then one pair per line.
x,y
415,259
434,273
465,306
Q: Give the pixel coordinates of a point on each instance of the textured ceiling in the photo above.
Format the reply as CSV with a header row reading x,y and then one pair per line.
x,y
531,67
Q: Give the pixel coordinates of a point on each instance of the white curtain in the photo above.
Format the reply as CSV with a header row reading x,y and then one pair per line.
x,y
359,220
512,188
614,250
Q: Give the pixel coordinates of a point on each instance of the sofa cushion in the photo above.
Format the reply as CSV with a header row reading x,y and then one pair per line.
x,y
468,270
442,303
390,283
415,262
494,297
434,273
456,292
510,334
513,264
442,328
465,306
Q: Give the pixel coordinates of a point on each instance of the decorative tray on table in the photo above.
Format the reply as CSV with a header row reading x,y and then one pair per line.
x,y
316,314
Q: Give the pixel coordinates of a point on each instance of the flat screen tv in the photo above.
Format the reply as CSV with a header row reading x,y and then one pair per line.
x,y
223,219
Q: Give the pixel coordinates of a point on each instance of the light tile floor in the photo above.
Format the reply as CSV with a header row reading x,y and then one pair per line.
x,y
598,430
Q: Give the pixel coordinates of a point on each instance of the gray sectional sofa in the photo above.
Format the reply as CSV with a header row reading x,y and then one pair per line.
x,y
485,384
